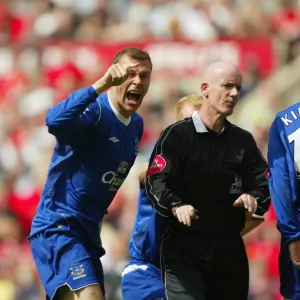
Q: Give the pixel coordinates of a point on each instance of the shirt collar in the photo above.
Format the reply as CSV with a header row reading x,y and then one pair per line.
x,y
199,125
121,118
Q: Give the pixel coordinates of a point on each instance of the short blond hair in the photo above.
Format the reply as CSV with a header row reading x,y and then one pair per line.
x,y
194,100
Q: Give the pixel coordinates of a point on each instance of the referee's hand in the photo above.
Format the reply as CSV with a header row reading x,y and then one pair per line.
x,y
246,201
185,214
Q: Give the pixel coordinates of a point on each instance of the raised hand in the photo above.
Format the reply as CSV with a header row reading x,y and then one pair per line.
x,y
115,75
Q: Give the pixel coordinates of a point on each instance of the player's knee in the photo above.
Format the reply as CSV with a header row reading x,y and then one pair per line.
x,y
92,292
64,293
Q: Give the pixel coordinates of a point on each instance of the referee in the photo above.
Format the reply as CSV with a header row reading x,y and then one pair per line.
x,y
207,176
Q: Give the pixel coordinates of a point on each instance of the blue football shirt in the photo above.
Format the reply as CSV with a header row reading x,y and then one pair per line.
x,y
149,231
284,164
96,147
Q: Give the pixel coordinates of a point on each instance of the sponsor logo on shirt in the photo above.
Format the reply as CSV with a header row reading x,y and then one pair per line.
x,y
157,165
116,179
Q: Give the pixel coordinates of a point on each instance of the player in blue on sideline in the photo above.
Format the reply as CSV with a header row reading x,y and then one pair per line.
x,y
141,278
97,135
284,185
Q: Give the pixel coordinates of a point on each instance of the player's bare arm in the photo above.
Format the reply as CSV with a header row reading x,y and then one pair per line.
x,y
252,221
143,173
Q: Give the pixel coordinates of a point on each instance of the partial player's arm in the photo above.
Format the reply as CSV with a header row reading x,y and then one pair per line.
x,y
74,113
80,110
281,188
143,173
251,223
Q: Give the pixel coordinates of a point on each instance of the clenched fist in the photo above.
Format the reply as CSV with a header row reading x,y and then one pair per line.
x,y
115,75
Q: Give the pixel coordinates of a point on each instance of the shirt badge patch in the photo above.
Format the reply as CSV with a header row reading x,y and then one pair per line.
x,y
77,271
157,165
267,173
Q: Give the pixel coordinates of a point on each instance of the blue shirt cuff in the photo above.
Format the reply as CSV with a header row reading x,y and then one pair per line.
x,y
92,93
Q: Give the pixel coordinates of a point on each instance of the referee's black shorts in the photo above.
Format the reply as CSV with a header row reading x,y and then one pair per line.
x,y
199,266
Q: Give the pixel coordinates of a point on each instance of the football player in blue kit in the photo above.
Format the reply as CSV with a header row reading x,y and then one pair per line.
x,y
97,132
284,185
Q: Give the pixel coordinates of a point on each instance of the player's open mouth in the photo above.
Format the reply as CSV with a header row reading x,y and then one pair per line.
x,y
133,96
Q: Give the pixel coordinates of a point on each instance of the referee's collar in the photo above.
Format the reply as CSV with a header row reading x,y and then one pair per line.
x,y
199,125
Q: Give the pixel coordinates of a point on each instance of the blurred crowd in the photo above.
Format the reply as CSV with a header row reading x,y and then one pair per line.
x,y
29,87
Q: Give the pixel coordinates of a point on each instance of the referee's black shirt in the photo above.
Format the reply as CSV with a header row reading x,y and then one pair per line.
x,y
193,165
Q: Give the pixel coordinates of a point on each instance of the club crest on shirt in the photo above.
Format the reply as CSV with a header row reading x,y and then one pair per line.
x,y
77,271
157,165
123,167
